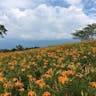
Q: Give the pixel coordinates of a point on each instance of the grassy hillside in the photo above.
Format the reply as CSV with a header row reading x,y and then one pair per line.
x,y
63,70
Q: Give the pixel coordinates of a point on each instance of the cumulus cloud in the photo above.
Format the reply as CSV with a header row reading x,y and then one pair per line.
x,y
27,4
74,1
43,22
42,19
13,3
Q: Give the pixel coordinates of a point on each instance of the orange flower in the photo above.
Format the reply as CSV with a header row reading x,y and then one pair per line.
x,y
93,84
7,85
2,79
41,83
46,93
44,66
21,90
7,94
15,79
79,75
31,93
1,74
34,63
18,84
69,72
63,79
47,76
23,69
49,71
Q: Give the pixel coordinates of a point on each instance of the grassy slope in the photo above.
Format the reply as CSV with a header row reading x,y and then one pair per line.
x,y
63,70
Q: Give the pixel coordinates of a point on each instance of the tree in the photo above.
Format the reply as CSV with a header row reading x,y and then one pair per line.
x,y
19,47
3,30
87,33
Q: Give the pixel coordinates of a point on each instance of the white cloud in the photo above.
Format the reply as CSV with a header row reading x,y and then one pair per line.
x,y
14,3
22,4
44,22
74,1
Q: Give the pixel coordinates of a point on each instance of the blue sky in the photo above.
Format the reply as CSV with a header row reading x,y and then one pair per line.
x,y
45,19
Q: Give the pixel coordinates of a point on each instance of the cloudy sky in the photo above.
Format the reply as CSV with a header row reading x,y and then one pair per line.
x,y
45,19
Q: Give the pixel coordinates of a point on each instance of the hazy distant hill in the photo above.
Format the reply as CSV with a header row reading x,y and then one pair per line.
x,y
4,43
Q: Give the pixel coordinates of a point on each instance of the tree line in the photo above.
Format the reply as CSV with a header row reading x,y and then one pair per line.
x,y
18,48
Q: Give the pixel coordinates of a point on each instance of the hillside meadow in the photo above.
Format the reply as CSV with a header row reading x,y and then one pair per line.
x,y
63,70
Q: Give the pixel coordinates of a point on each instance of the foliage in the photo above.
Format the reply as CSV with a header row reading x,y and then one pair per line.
x,y
64,70
3,30
19,47
87,33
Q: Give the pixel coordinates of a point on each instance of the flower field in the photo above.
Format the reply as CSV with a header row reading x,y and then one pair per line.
x,y
63,70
